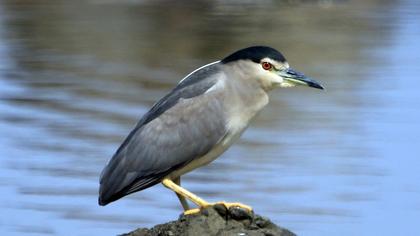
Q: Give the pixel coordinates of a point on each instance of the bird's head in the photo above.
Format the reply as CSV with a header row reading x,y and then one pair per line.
x,y
268,66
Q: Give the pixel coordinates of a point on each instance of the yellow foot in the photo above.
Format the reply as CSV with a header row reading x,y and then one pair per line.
x,y
192,211
228,205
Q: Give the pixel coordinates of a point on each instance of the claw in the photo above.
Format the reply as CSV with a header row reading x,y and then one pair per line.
x,y
228,205
192,211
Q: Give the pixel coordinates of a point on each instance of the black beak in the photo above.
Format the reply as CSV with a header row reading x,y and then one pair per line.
x,y
298,78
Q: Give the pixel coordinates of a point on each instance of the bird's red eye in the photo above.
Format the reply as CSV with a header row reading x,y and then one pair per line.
x,y
266,66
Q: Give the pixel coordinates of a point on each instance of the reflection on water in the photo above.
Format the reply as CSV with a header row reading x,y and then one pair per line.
x,y
75,77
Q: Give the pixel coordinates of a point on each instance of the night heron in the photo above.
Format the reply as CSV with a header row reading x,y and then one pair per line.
x,y
196,122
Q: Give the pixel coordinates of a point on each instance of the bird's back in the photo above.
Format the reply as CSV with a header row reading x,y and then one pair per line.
x,y
174,132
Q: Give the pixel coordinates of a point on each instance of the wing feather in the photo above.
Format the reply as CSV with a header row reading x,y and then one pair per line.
x,y
182,126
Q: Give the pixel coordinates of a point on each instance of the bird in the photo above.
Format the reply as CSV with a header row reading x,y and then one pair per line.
x,y
195,123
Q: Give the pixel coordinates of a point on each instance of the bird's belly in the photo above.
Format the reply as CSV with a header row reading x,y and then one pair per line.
x,y
222,146
236,124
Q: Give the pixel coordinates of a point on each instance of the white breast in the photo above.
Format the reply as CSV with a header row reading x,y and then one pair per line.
x,y
241,107
237,123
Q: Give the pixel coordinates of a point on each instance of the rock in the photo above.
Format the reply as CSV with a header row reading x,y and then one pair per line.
x,y
216,220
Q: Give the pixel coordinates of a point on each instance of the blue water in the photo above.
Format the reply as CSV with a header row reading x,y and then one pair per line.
x,y
76,76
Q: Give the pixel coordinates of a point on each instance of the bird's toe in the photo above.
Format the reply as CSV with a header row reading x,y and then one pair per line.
x,y
229,205
192,211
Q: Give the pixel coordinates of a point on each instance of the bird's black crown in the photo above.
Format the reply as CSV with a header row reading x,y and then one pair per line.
x,y
255,54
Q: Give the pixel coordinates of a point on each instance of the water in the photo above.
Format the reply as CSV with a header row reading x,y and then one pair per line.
x,y
76,76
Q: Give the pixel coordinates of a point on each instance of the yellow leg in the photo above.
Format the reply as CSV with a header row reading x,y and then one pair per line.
x,y
183,192
197,200
181,198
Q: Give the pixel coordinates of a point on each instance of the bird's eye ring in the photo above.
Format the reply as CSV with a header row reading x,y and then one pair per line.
x,y
266,66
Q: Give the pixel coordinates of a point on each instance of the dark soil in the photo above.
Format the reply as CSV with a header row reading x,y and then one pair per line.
x,y
216,220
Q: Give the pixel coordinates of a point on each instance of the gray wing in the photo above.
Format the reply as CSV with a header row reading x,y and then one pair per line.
x,y
182,126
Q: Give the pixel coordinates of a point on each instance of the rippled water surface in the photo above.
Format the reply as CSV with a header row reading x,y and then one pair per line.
x,y
75,76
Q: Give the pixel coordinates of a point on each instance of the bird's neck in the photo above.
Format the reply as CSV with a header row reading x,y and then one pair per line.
x,y
243,103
